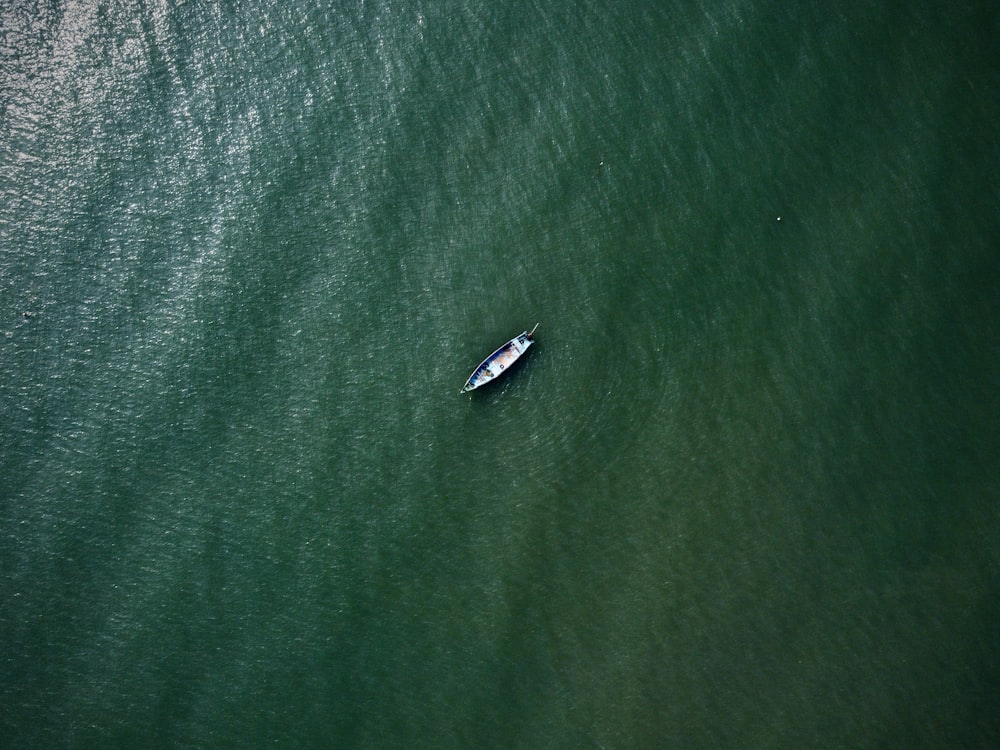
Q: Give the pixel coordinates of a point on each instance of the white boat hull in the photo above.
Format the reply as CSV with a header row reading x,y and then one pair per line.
x,y
499,361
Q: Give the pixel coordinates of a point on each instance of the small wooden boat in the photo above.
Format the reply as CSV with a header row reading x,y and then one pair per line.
x,y
499,361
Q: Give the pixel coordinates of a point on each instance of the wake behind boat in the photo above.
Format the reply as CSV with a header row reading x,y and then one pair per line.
x,y
499,361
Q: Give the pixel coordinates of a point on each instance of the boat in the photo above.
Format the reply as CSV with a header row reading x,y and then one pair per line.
x,y
500,361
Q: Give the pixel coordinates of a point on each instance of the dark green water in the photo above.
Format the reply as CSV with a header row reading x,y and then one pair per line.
x,y
742,494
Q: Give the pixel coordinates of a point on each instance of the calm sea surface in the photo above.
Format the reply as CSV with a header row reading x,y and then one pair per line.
x,y
743,493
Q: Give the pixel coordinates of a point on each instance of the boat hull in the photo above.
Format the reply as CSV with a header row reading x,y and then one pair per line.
x,y
499,361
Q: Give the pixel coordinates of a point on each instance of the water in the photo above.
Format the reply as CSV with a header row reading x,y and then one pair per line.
x,y
742,493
